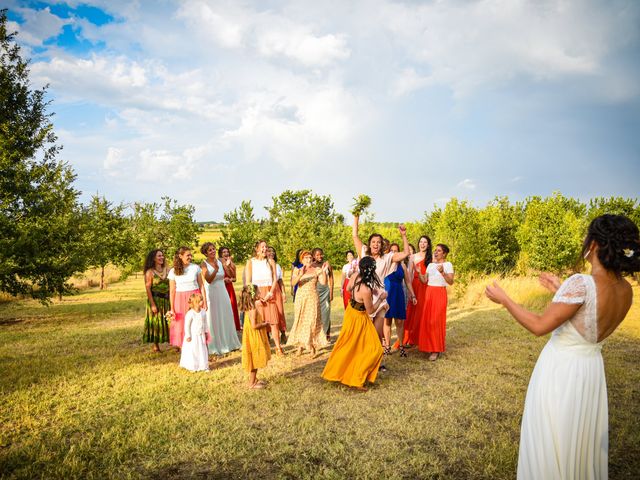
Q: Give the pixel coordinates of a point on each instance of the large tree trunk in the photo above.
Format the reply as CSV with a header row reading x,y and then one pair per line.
x,y
102,278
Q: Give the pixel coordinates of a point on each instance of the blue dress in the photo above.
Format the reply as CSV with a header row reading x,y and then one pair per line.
x,y
395,294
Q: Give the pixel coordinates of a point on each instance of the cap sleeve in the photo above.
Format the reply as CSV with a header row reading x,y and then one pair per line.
x,y
573,291
172,274
447,267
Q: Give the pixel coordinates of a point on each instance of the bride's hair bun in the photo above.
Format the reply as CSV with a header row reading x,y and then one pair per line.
x,y
618,243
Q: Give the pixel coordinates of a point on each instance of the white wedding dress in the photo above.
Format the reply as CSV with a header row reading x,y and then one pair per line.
x,y
565,424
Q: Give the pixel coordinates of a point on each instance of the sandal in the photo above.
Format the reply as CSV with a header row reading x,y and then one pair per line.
x,y
256,386
280,352
434,356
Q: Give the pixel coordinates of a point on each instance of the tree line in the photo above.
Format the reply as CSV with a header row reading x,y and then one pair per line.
x,y
502,237
46,234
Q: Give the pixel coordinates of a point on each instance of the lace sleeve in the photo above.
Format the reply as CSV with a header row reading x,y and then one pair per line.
x,y
573,291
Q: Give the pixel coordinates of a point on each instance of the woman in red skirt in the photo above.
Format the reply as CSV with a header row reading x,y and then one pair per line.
x,y
433,322
229,277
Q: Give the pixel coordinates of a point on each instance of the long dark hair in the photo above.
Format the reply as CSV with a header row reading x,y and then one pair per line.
x,y
368,275
618,243
150,261
275,254
296,262
178,266
428,254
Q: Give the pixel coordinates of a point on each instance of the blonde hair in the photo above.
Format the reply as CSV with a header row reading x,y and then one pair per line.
x,y
248,298
192,299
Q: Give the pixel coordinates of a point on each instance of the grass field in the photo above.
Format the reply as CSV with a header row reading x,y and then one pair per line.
x,y
83,398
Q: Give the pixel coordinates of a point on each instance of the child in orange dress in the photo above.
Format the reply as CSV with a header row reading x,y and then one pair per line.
x,y
256,351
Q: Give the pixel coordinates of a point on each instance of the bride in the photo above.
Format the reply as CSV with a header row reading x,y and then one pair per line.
x,y
565,424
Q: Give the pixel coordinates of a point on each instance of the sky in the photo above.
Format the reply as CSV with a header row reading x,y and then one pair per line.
x,y
412,103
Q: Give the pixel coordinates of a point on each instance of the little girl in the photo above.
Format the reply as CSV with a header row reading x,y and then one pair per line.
x,y
255,344
195,356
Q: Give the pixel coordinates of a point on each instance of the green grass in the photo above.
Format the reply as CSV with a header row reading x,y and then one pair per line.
x,y
83,398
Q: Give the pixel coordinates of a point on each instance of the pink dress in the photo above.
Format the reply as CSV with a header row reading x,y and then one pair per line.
x,y
186,285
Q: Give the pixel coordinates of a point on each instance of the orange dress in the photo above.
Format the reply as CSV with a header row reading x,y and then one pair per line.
x,y
256,351
357,354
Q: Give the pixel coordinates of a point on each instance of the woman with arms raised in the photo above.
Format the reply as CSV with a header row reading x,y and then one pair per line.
x,y
385,264
565,423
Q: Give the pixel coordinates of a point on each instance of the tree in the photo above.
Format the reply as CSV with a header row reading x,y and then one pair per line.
x,y
107,237
551,233
40,218
166,226
241,231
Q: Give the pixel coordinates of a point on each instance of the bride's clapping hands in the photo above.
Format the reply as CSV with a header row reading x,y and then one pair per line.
x,y
495,293
549,281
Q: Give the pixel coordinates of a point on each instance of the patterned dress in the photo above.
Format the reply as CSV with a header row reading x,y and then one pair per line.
x,y
307,326
156,326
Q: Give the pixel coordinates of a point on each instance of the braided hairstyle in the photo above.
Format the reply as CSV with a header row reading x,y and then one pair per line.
x,y
368,275
618,243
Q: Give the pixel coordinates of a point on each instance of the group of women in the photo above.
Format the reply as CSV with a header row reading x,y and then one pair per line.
x,y
564,431
168,291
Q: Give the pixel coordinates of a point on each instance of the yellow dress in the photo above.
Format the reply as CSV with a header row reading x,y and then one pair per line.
x,y
307,324
357,354
255,345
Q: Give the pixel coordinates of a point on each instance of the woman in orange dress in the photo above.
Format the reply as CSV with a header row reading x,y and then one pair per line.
x,y
357,354
433,322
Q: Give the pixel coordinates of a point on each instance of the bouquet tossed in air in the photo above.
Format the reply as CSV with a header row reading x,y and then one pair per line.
x,y
362,202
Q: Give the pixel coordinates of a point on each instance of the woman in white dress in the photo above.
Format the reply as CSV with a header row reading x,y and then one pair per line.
x,y
224,338
565,424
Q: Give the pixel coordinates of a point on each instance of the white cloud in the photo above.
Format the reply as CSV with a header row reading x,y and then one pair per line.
x,y
468,184
38,25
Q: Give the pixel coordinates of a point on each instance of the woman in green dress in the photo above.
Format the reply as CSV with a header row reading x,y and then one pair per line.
x,y
156,325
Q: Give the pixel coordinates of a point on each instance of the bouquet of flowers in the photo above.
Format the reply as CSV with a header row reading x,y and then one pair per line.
x,y
362,202
169,316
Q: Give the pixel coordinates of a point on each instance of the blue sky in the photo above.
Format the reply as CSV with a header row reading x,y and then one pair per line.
x,y
410,102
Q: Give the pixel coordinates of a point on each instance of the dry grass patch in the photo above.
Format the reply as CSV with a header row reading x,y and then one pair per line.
x,y
82,398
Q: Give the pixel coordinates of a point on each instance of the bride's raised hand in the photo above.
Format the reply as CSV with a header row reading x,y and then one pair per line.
x,y
549,281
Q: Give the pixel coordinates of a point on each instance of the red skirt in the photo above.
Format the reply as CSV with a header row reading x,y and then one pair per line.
x,y
180,308
414,314
433,324
234,304
346,294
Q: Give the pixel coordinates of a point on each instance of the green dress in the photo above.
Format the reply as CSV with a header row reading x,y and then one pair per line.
x,y
156,326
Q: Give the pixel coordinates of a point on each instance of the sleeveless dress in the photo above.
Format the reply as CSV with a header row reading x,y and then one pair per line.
x,y
224,338
565,424
156,326
393,284
357,354
307,324
256,351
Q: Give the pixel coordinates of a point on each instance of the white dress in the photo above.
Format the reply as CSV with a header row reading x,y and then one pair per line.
x,y
565,424
224,338
194,354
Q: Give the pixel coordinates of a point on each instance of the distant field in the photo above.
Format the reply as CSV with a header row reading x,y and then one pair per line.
x,y
83,398
210,235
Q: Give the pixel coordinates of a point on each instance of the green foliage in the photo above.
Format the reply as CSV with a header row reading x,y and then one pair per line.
x,y
107,238
241,231
40,219
614,205
551,233
166,226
